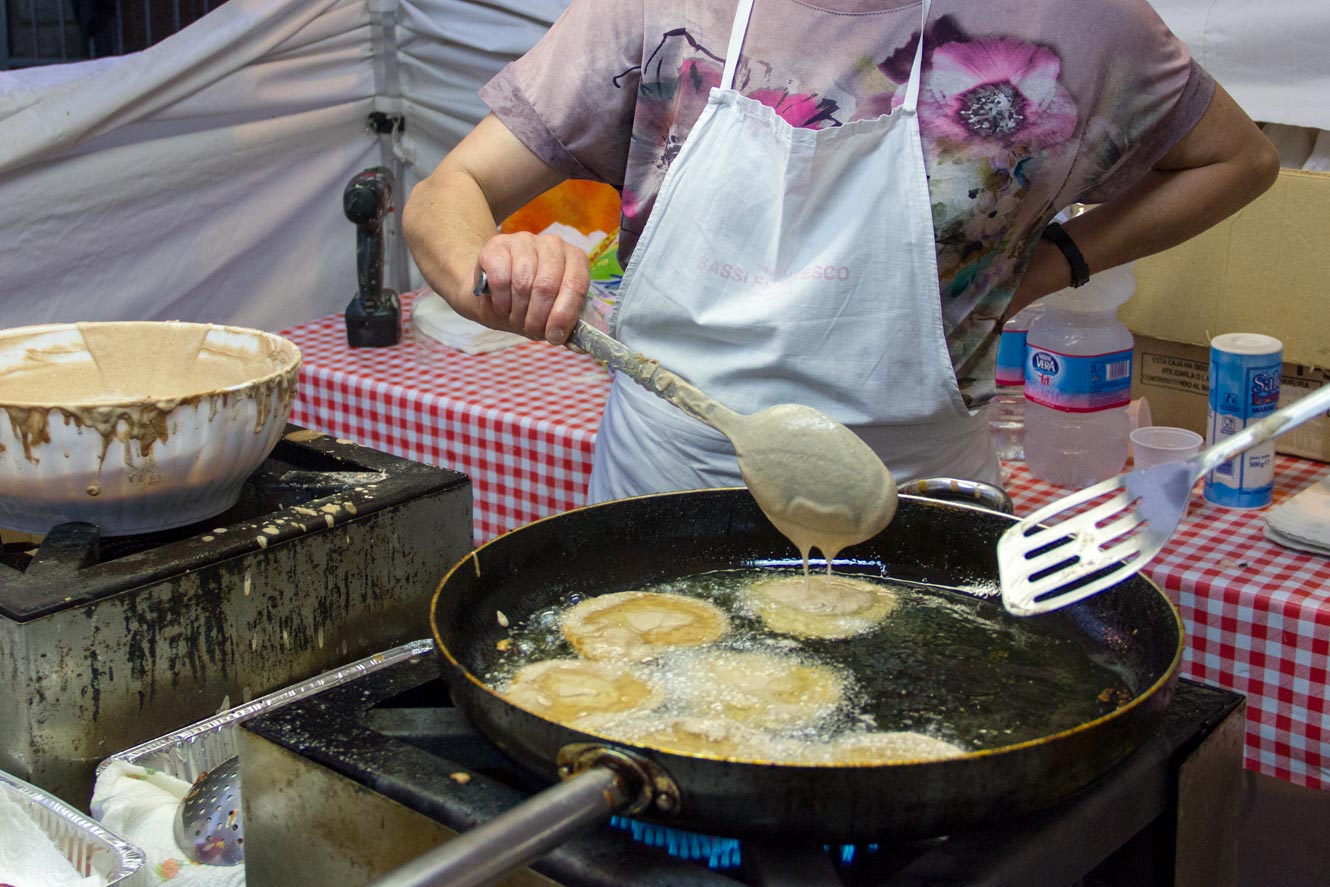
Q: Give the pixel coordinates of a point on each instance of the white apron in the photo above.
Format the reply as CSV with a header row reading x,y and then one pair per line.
x,y
789,265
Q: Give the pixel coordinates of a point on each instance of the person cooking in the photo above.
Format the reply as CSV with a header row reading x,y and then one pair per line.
x,y
832,203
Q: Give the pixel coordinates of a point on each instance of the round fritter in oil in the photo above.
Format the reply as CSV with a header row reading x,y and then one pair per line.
x,y
718,737
764,690
569,690
640,625
820,605
878,747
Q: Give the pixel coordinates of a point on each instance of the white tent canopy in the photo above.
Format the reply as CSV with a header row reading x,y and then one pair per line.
x,y
202,179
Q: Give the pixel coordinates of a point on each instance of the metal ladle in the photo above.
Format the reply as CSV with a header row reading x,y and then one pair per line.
x,y
815,479
210,825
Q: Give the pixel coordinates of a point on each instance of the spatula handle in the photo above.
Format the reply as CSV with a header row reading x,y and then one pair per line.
x,y
1277,423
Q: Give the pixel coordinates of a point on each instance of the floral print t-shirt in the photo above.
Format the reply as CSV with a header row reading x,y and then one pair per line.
x,y
1026,107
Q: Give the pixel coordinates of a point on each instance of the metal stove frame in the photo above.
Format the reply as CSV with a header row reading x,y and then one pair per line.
x,y
332,554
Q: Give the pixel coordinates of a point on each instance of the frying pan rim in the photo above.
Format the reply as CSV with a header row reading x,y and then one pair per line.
x,y
1166,676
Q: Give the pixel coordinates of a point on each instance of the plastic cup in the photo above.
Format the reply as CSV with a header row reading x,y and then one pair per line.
x,y
1157,444
1138,411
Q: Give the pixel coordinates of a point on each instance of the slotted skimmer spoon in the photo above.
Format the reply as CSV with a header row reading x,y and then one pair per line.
x,y
817,481
209,824
1092,539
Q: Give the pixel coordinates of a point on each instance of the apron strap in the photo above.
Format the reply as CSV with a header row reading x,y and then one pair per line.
x,y
737,33
912,91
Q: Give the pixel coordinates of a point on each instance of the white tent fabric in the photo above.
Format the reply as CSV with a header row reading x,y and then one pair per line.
x,y
202,179
1271,56
447,49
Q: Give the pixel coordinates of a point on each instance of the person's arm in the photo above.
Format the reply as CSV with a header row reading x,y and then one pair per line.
x,y
1220,166
450,221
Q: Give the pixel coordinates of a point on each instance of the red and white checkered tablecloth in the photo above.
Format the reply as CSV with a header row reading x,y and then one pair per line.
x,y
521,423
1257,618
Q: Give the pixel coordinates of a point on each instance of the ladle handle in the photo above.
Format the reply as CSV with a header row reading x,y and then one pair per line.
x,y
490,851
651,375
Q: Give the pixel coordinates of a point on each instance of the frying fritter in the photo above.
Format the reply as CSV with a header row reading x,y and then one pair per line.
x,y
756,688
820,605
640,625
570,690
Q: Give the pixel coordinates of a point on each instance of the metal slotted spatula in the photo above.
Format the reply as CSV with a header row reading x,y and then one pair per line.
x,y
1095,538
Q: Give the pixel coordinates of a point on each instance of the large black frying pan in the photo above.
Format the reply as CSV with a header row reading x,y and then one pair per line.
x,y
631,543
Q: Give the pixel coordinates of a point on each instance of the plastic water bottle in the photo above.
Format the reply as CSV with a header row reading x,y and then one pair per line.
x,y
1078,383
1006,412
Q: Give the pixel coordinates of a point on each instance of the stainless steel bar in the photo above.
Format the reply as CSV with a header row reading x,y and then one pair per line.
x,y
526,832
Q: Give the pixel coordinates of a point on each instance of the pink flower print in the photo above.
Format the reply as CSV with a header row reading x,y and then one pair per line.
x,y
805,111
696,78
168,869
999,93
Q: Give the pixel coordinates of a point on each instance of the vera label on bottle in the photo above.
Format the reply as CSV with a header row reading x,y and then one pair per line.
x,y
1078,383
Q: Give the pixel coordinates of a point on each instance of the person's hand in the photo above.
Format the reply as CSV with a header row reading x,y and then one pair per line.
x,y
536,285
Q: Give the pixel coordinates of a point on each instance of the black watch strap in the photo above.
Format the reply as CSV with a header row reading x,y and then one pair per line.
x,y
1080,271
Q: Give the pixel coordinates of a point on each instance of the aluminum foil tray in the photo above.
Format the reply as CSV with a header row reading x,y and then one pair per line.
x,y
91,849
199,747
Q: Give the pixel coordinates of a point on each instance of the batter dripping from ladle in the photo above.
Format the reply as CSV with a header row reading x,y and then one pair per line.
x,y
816,480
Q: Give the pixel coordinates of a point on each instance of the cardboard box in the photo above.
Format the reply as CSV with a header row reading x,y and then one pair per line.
x,y
1174,378
1266,269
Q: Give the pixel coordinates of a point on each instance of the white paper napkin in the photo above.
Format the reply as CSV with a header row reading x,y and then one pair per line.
x,y
1303,522
434,318
28,857
140,805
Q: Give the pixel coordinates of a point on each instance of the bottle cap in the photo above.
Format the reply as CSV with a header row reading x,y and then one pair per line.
x,y
1247,343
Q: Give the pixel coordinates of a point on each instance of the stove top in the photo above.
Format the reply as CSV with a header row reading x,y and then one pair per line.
x,y
392,756
308,484
331,554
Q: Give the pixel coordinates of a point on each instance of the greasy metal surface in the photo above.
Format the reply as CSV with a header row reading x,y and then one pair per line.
x,y
227,614
1209,790
393,735
634,542
311,828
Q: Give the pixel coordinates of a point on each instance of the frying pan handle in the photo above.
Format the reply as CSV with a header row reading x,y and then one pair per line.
x,y
611,782
955,490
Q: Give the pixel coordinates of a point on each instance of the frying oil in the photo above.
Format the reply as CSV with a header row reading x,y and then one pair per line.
x,y
943,664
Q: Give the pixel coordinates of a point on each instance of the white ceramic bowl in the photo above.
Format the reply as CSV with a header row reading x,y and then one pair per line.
x,y
136,426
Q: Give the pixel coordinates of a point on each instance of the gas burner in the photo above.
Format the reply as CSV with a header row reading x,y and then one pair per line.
x,y
405,772
331,554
